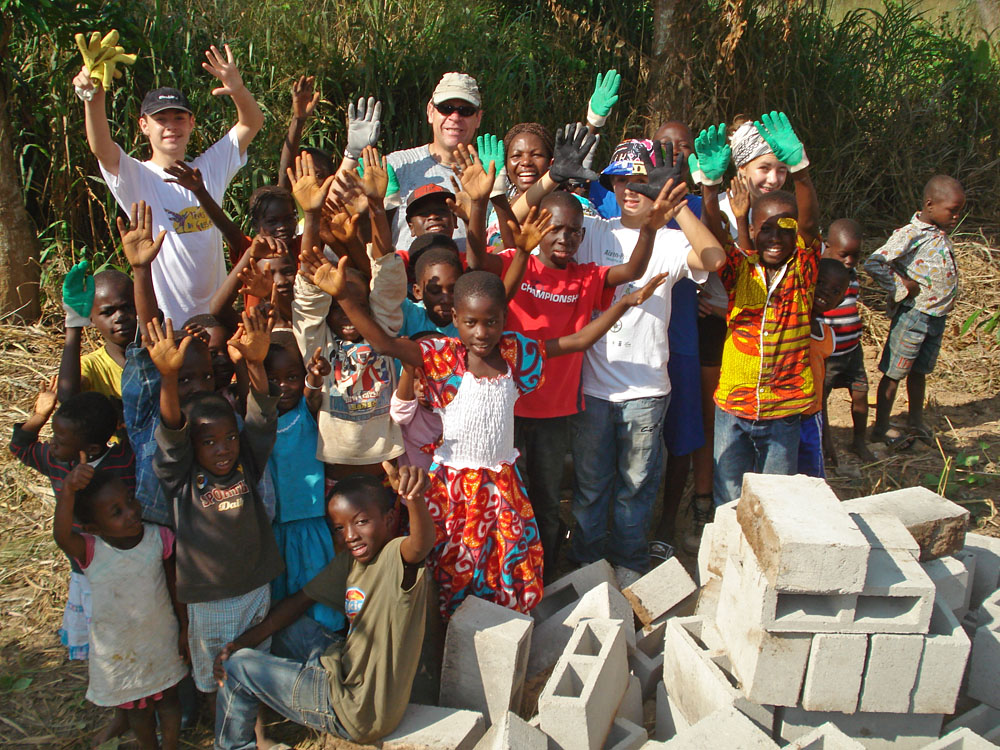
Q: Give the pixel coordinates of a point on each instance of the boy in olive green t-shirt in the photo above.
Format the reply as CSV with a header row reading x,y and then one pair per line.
x,y
359,688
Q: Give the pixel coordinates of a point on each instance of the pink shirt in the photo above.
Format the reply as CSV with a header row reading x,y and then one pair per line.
x,y
421,427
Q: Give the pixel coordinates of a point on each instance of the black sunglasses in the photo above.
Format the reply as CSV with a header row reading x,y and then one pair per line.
x,y
464,110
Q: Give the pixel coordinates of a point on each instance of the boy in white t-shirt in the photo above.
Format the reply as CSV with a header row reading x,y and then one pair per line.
x,y
191,265
616,440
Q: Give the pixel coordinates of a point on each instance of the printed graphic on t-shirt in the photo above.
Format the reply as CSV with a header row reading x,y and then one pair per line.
x,y
226,498
537,290
354,601
190,219
363,383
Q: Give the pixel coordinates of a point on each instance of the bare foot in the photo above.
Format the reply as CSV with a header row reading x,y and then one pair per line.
x,y
117,727
860,449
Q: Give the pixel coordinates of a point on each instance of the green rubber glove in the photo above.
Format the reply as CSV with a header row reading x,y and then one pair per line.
x,y
78,295
777,131
490,149
392,197
360,169
605,96
711,155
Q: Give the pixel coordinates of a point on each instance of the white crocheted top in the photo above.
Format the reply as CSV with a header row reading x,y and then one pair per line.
x,y
478,424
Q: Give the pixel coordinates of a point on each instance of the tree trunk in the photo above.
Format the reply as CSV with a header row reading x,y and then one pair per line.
x,y
19,246
667,76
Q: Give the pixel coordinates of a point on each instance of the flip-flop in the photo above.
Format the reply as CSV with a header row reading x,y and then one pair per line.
x,y
897,441
660,551
925,435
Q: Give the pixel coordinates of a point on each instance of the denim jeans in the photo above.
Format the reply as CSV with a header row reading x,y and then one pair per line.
x,y
761,446
543,445
617,460
297,687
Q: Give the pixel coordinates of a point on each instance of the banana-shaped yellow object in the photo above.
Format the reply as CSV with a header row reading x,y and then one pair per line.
x,y
101,55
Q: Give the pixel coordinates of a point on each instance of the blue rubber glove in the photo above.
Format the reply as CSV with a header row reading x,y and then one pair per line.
x,y
777,131
711,155
78,295
605,96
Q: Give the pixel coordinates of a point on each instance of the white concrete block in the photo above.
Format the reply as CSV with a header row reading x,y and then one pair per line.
x,y
723,540
890,673
885,531
511,732
950,577
434,728
984,666
986,578
937,524
626,735
659,591
984,720
485,658
698,675
875,731
708,599
727,725
770,667
549,637
646,661
833,676
705,553
669,719
802,538
630,707
578,703
942,665
825,737
571,587
961,739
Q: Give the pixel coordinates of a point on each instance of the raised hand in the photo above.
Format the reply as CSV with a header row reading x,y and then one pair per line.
x,y
363,125
255,282
78,295
668,204
137,238
490,150
163,349
639,296
263,246
536,225
223,68
347,194
252,338
318,366
462,205
186,176
332,279
409,482
670,169
777,131
80,475
476,181
310,259
303,97
573,143
711,155
375,174
309,193
45,401
739,196
605,97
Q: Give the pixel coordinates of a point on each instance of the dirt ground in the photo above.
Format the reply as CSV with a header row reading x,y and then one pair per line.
x,y
42,701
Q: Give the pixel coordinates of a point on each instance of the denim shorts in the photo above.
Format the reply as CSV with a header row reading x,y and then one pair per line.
x,y
913,344
847,371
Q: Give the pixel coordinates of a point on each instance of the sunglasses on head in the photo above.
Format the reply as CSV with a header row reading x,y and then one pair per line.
x,y
464,110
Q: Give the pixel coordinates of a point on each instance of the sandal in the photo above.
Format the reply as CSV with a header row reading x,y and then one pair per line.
x,y
925,435
895,439
660,552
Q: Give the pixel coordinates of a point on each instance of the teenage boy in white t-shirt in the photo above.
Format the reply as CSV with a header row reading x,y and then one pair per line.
x,y
191,265
616,441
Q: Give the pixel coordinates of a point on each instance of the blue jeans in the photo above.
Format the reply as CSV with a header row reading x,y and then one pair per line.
x,y
761,446
617,461
297,687
543,445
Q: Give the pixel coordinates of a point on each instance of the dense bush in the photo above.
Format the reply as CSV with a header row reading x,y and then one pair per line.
x,y
882,99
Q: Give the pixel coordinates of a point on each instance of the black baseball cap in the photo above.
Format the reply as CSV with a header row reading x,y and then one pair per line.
x,y
165,98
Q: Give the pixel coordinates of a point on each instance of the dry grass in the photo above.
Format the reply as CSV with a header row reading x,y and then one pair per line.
x,y
42,694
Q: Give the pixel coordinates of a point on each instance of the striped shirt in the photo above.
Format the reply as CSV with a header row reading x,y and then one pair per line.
x,y
845,320
765,360
118,459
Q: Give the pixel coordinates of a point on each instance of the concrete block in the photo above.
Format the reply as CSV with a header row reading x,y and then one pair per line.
x,y
890,673
660,590
646,661
825,737
984,720
708,599
986,578
833,676
885,531
549,637
631,704
770,667
727,725
511,732
698,675
434,728
942,665
802,538
937,524
578,703
485,658
669,719
875,731
984,667
704,554
723,540
961,739
571,587
950,577
625,735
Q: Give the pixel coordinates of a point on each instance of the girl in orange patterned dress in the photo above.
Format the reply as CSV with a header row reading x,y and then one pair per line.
x,y
487,540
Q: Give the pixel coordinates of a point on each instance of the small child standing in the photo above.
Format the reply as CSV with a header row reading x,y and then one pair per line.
x,y
917,267
136,645
846,366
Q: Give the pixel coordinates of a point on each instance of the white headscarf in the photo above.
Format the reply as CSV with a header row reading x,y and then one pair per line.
x,y
747,144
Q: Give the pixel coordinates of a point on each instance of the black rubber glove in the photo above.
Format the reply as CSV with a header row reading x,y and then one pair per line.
x,y
573,143
671,169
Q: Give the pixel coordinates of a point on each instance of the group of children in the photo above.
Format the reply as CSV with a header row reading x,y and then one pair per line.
x,y
366,420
